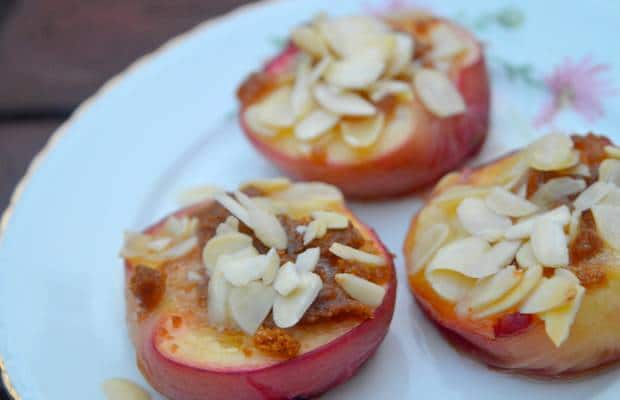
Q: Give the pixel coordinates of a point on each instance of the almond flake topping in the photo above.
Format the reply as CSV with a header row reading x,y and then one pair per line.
x,y
528,282
609,171
492,288
478,219
549,243
360,289
552,152
245,286
363,132
288,310
345,67
427,242
503,202
322,221
607,218
176,239
124,389
495,249
438,93
315,124
612,151
351,254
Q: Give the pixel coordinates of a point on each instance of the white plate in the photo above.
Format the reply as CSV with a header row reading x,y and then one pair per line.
x,y
167,124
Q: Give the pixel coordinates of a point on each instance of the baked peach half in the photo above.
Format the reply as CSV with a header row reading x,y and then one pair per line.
x,y
273,292
378,106
520,257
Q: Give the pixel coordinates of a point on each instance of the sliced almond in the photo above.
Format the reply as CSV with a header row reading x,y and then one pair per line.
x,y
404,47
580,170
612,151
609,171
480,220
503,202
276,109
287,280
223,244
233,207
530,280
180,249
612,198
218,291
268,185
438,93
231,225
559,320
240,271
549,243
557,189
332,220
525,256
523,229
303,198
549,294
398,129
450,285
607,218
272,264
198,194
446,43
352,34
457,193
288,310
351,254
592,195
362,132
493,287
180,227
301,95
552,152
493,260
265,225
459,255
315,230
315,124
250,305
364,291
124,389
427,242
306,261
573,225
310,41
159,244
343,103
356,72
384,88
319,69
251,116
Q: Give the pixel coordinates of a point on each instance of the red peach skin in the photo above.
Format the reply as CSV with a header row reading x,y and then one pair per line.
x,y
309,374
435,146
520,344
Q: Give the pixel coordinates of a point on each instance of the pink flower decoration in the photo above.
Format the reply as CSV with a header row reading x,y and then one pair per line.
x,y
390,6
577,85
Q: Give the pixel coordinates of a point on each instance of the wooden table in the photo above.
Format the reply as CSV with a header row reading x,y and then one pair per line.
x,y
55,53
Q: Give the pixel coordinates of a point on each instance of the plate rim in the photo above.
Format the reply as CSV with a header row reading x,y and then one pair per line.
x,y
36,162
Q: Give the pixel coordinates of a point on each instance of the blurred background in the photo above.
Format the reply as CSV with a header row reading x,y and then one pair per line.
x,y
56,53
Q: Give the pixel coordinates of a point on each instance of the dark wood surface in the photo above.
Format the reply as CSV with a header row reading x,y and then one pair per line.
x,y
55,53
